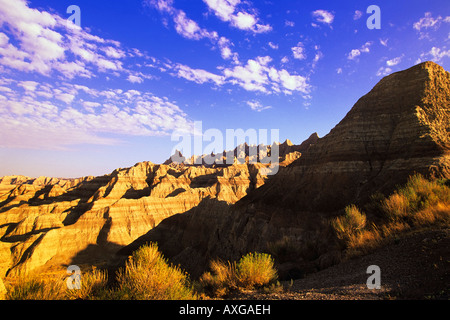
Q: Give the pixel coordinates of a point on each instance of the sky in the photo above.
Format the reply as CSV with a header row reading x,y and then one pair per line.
x,y
104,86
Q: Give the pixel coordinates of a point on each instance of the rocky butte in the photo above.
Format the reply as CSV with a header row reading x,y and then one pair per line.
x,y
399,128
200,212
47,223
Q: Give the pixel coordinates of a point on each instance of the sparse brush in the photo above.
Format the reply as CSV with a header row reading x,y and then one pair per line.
x,y
221,280
255,270
396,207
351,223
252,271
93,286
148,276
420,203
32,287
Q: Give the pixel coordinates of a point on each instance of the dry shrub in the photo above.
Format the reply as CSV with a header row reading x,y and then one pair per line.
x,y
418,204
396,206
221,280
148,276
364,242
439,213
93,286
254,270
54,287
32,287
349,224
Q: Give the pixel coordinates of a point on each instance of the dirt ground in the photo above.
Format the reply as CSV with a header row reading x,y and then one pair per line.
x,y
416,266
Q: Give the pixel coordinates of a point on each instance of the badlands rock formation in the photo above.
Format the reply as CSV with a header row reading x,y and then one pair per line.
x,y
400,127
51,222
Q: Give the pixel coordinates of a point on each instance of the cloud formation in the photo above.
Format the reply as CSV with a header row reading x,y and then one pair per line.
x,y
354,53
53,113
323,16
232,11
190,29
42,115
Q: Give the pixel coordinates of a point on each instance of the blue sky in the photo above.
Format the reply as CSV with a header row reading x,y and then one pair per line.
x,y
78,101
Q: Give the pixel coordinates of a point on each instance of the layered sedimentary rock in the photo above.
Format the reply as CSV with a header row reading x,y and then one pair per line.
x,y
400,127
50,222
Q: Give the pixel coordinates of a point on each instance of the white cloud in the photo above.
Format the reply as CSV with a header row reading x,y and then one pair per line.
x,y
31,121
298,51
339,70
135,79
28,85
428,23
394,61
273,45
384,42
435,54
190,29
258,75
288,23
232,11
226,52
365,48
257,106
384,71
319,55
42,42
353,54
323,16
197,75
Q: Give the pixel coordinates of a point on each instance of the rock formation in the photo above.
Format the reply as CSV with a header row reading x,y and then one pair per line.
x,y
200,212
51,222
400,127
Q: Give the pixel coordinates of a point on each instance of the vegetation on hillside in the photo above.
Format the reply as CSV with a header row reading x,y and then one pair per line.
x,y
417,205
148,275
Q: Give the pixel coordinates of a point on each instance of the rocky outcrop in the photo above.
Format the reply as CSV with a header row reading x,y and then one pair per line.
x,y
400,127
51,222
244,153
2,290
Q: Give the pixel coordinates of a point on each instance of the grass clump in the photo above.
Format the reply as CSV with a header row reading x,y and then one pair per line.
x,y
54,287
32,287
352,223
252,271
418,204
148,276
255,270
93,286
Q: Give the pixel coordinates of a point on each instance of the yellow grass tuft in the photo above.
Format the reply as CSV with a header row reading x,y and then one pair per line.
x,y
418,204
254,270
148,276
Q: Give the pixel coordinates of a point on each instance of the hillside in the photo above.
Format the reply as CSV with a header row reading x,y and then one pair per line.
x,y
197,213
399,128
47,223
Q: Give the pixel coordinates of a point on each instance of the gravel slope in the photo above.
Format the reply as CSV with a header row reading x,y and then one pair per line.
x,y
415,267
